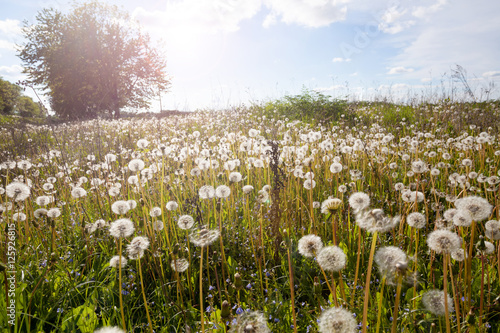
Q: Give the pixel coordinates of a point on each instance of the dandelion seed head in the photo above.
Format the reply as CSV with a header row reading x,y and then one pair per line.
x,y
142,143
172,205
359,201
416,220
443,241
222,191
206,192
330,205
43,200
185,222
250,322
120,207
179,265
462,218
136,165
40,212
121,228
310,245
235,177
19,217
387,258
433,301
331,258
335,167
78,192
204,237
115,262
375,220
155,212
132,203
54,213
247,189
486,248
478,208
337,320
18,191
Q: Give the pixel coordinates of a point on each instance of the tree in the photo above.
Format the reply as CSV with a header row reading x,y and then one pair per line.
x,y
92,61
27,108
9,95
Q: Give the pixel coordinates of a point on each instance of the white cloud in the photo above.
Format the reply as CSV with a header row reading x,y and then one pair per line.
x,y
399,70
423,12
339,59
10,27
330,88
316,13
11,69
491,74
7,45
465,34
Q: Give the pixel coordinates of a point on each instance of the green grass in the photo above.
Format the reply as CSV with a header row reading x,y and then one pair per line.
x,y
72,288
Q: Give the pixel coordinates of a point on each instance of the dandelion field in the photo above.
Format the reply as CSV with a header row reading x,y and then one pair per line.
x,y
247,221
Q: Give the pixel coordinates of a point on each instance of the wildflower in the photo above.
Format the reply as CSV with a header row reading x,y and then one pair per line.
x,y
462,218
309,184
185,222
120,207
195,172
458,254
204,237
336,167
478,208
121,228
172,205
419,167
247,189
133,180
142,143
43,200
331,258
99,224
443,241
137,246
433,301
250,322
53,213
492,229
19,217
206,192
155,212
449,214
158,225
136,165
132,203
109,329
412,196
376,220
222,191
78,192
416,220
316,204
40,212
330,205
485,247
115,261
262,196
18,191
387,258
179,265
337,320
109,158
310,245
235,177
359,201
266,188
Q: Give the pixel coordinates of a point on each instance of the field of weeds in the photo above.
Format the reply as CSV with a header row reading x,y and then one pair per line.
x,y
380,218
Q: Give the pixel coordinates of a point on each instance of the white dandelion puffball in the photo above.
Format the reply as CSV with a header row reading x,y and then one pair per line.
x,y
337,320
310,245
331,258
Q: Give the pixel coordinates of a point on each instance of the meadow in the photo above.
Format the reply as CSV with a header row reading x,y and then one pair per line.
x,y
299,215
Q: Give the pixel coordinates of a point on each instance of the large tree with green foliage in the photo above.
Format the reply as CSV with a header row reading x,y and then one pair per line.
x,y
91,61
13,102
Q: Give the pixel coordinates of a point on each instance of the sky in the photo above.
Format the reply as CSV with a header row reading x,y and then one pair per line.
x,y
223,53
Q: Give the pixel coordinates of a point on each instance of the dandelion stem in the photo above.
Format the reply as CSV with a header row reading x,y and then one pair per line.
x,y
120,282
396,304
201,292
380,304
144,296
367,284
445,287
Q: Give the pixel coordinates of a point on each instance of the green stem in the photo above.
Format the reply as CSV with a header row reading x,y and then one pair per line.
x,y
367,284
120,282
144,297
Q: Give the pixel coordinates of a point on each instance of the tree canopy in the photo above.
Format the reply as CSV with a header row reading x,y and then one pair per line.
x,y
92,61
13,102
